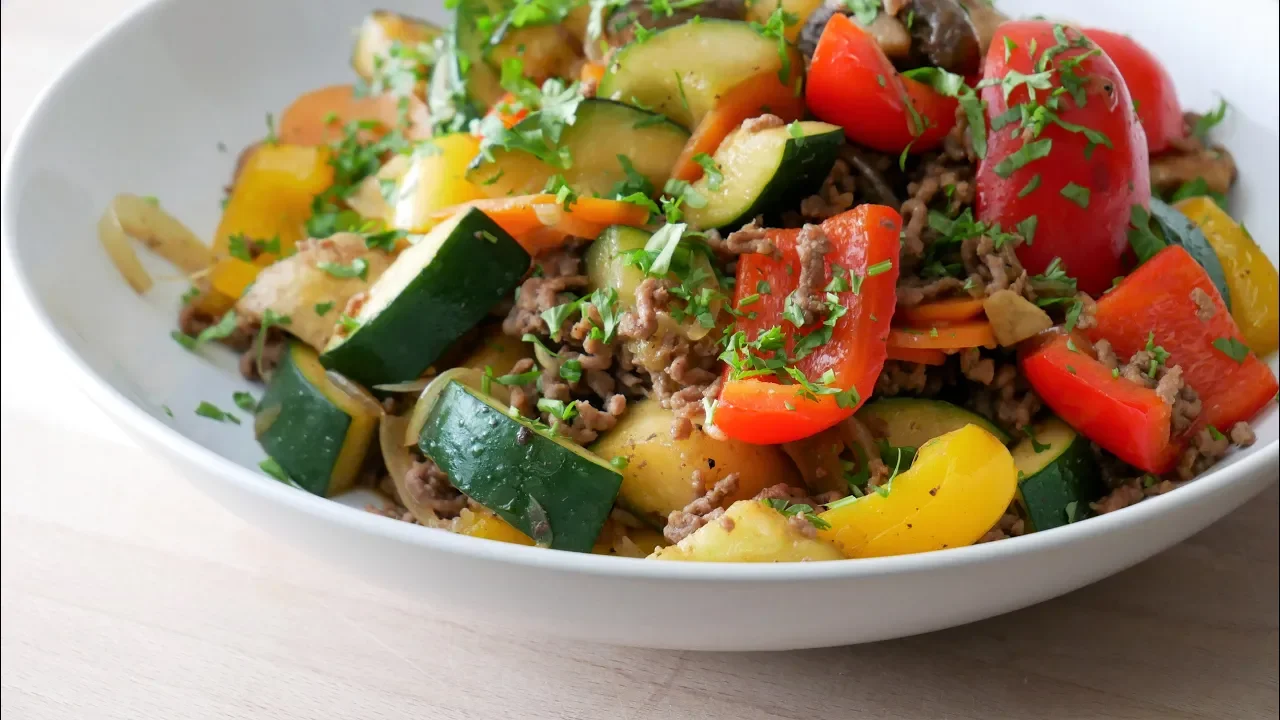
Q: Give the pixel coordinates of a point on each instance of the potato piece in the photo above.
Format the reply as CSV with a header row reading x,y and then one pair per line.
x,y
750,531
818,459
296,285
658,477
1014,318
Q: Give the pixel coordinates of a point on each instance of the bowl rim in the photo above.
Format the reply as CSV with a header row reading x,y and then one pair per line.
x,y
124,411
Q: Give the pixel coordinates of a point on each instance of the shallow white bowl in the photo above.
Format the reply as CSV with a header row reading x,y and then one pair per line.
x,y
160,103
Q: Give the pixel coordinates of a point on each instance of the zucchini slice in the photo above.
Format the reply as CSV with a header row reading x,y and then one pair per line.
x,y
1058,475
462,85
381,32
682,71
316,425
764,171
549,488
602,132
912,422
435,291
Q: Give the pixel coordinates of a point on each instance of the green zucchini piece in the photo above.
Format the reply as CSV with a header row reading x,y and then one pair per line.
x,y
390,41
315,424
682,71
549,488
1179,230
1058,475
462,85
912,422
436,290
764,172
602,132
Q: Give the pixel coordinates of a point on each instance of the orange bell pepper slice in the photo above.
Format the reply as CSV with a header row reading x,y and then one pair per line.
x,y
319,116
944,337
760,94
272,197
951,310
591,74
914,355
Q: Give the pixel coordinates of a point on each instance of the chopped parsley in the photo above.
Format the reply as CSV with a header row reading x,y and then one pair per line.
x,y
359,267
218,331
883,266
1077,194
714,176
571,371
1142,238
323,308
1031,185
1159,356
244,401
558,409
384,241
1036,445
272,468
1209,121
619,462
1232,348
801,509
774,28
1023,156
954,86
865,11
207,409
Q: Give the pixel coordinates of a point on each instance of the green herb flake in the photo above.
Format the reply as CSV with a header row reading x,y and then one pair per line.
x,y
1232,348
1209,121
1077,194
881,267
225,326
619,462
358,268
244,401
1031,185
715,178
323,308
1023,156
207,409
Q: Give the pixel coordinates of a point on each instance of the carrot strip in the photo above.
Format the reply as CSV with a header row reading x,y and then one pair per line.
x,y
591,74
944,337
951,310
923,357
760,94
524,217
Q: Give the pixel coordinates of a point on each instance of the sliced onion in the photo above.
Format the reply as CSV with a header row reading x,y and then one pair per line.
x,y
413,386
399,460
131,216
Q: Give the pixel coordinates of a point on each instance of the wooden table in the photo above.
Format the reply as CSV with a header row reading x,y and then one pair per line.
x,y
126,594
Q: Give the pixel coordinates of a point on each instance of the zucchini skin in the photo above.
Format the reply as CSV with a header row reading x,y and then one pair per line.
x,y
1072,476
475,267
512,469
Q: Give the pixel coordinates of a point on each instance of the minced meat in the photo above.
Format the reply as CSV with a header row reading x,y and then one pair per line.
x,y
750,238
683,523
812,245
430,487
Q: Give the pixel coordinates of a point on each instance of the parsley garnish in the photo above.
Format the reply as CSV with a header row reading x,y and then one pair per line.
x,y
323,307
1158,354
883,266
1031,185
571,371
619,462
218,331
1032,151
207,409
864,10
1036,445
558,409
1142,239
714,176
952,85
384,241
359,267
1076,193
244,401
1209,121
1232,348
806,511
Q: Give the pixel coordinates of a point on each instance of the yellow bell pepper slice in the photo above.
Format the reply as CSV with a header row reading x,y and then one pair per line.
x,y
272,197
435,179
1251,278
489,526
960,485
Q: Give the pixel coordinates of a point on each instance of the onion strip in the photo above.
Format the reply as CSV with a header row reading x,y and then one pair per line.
x,y
131,216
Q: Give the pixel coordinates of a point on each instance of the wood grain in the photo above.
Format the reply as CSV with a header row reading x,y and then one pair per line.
x,y
126,594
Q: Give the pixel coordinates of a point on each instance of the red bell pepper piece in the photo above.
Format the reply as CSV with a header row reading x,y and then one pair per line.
x,y
1156,301
762,409
1150,86
851,83
1127,419
1077,163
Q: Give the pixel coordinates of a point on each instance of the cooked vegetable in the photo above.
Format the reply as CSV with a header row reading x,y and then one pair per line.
x,y
950,310
550,489
1014,318
765,171
435,290
1078,176
471,377
321,116
545,51
912,422
1252,279
498,351
888,32
1177,229
294,286
750,531
957,488
317,426
271,201
852,84
633,18
1057,475
841,367
370,201
751,98
920,357
682,71
657,472
944,36
541,221
130,216
1149,84
956,336
391,45
1157,304
607,142
760,11
1127,419
435,179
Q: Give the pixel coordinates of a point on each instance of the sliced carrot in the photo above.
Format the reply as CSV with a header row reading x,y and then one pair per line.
x,y
944,337
951,310
923,357
526,217
318,117
760,94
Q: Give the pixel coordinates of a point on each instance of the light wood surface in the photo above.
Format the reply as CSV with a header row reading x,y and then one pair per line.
x,y
126,594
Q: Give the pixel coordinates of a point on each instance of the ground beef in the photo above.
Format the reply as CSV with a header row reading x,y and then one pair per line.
x,y
913,291
557,274
977,368
273,348
1009,525
193,321
1007,400
1088,311
908,378
431,488
641,321
1121,497
947,176
1167,382
1190,158
683,523
750,238
833,198
1205,309
812,245
995,267
687,377
800,523
873,174
1208,446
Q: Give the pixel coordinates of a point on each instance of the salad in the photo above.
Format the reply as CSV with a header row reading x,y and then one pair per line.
x,y
722,281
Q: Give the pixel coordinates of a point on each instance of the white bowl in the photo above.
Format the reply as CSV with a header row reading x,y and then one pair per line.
x,y
161,102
